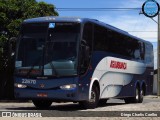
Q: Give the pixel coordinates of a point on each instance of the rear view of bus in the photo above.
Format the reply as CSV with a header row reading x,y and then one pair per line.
x,y
71,60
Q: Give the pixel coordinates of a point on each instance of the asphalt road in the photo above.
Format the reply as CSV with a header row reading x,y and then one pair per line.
x,y
63,110
151,103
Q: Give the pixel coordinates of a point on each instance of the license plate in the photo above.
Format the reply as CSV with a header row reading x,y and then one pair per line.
x,y
42,95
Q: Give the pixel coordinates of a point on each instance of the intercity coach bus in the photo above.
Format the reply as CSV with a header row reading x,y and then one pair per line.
x,y
66,59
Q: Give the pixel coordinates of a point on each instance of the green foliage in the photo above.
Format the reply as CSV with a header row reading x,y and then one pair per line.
x,y
13,12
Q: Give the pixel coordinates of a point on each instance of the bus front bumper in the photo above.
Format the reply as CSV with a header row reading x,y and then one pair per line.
x,y
54,95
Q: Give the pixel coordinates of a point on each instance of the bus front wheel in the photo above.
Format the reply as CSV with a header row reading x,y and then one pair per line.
x,y
93,102
42,104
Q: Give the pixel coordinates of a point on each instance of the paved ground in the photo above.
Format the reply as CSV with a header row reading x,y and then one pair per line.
x,y
151,103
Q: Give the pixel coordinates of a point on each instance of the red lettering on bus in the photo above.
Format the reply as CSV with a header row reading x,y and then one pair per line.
x,y
118,65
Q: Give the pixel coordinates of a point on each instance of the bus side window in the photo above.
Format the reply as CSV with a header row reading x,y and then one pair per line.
x,y
142,50
100,38
149,54
136,47
139,51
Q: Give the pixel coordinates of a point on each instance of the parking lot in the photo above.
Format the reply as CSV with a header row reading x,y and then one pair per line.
x,y
151,103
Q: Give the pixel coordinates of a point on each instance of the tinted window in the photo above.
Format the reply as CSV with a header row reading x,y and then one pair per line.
x,y
117,43
149,54
100,38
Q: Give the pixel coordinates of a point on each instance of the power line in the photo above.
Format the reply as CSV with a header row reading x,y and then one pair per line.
x,y
148,37
141,31
96,9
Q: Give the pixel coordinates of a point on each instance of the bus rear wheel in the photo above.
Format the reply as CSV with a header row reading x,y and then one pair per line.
x,y
138,96
141,96
93,102
42,104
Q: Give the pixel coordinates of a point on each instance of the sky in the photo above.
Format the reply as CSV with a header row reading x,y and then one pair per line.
x,y
130,21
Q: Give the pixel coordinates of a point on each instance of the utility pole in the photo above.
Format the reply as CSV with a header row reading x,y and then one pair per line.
x,y
158,58
150,9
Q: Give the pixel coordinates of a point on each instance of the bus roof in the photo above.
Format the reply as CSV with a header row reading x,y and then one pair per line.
x,y
80,20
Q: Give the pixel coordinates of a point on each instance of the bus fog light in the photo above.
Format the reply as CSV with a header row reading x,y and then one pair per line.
x,y
68,87
20,85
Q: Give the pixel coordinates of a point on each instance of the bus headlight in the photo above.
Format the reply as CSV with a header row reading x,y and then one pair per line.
x,y
20,85
68,87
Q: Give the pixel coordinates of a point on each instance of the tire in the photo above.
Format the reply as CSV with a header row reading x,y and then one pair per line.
x,y
141,96
137,95
93,102
102,102
42,104
138,98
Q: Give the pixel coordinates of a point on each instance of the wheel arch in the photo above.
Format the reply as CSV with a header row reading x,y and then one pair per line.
x,y
96,83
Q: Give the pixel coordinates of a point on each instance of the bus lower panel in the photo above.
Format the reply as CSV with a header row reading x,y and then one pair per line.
x,y
54,95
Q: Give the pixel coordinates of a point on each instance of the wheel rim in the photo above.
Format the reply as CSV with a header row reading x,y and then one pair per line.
x,y
137,96
141,94
93,97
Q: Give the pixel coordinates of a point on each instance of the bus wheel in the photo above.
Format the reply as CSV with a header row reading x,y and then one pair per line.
x,y
137,95
41,104
103,102
141,96
93,102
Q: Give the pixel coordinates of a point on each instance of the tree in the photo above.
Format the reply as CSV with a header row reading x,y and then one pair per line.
x,y
13,12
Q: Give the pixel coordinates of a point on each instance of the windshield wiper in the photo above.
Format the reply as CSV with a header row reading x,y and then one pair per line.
x,y
53,68
30,70
51,64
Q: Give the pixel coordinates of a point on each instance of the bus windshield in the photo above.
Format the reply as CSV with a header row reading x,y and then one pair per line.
x,y
48,49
